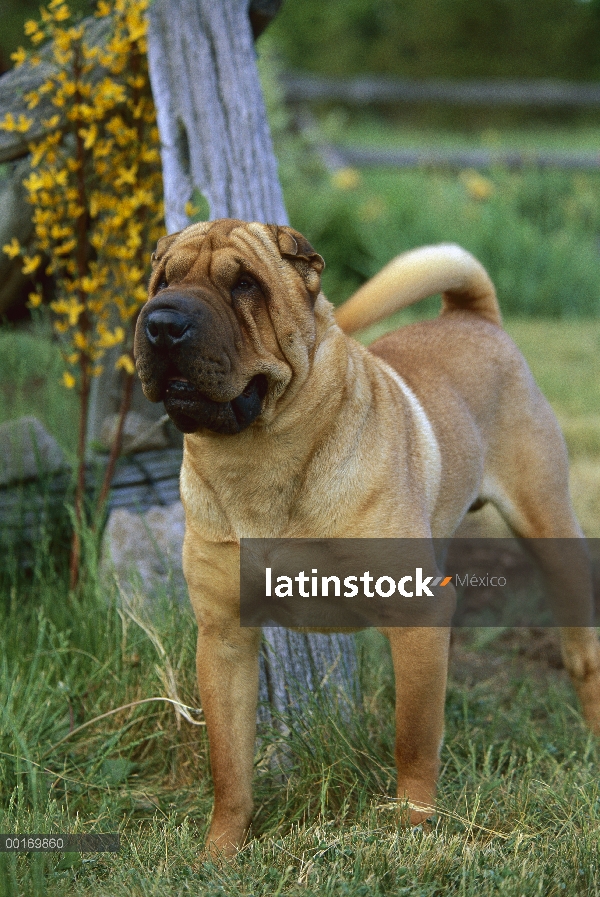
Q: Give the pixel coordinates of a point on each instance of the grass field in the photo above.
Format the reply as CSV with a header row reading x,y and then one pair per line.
x,y
519,801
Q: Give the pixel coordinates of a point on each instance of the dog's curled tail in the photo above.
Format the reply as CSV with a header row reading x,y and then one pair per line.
x,y
447,269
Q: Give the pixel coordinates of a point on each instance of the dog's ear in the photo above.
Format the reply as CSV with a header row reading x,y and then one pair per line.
x,y
296,248
161,247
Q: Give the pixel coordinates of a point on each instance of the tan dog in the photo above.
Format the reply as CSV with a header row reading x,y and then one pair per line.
x,y
295,430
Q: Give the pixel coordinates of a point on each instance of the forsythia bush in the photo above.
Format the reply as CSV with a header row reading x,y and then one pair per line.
x,y
95,182
96,190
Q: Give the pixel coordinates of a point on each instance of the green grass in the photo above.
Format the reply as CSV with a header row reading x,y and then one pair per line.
x,y
519,801
30,383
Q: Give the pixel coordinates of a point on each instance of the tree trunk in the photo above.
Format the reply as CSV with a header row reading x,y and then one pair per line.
x,y
211,116
215,138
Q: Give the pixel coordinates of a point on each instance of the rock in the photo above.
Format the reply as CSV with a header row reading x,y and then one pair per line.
x,y
139,433
143,551
27,451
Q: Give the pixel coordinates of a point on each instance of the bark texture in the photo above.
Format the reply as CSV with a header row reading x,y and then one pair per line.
x,y
211,115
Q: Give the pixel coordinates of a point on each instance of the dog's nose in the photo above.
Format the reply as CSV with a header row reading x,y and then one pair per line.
x,y
166,328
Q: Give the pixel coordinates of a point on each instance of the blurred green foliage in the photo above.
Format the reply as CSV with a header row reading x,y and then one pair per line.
x,y
443,38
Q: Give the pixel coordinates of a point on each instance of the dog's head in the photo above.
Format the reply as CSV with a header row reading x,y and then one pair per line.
x,y
229,323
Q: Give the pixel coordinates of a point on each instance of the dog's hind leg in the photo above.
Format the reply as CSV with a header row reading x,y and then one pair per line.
x,y
529,486
420,659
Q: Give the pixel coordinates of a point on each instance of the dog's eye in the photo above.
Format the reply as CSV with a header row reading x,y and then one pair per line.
x,y
244,284
162,285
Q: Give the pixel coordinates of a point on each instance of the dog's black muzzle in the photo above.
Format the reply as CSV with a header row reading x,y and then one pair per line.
x,y
185,354
167,328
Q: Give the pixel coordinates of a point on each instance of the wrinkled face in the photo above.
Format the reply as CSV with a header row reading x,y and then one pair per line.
x,y
229,322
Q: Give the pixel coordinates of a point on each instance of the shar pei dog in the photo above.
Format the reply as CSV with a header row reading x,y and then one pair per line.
x,y
293,429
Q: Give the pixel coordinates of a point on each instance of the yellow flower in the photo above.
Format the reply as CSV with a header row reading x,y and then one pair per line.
x,y
125,363
89,135
127,175
62,13
42,216
60,178
18,57
137,28
346,178
10,123
31,264
89,284
12,249
121,176
34,182
32,99
106,339
66,248
30,27
62,40
58,232
51,122
75,309
477,186
68,380
69,307
136,81
80,341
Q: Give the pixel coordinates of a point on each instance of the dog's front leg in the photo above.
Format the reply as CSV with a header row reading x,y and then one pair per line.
x,y
227,668
227,665
420,658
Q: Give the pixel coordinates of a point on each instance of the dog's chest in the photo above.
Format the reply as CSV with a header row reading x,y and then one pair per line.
x,y
232,509
327,497
228,503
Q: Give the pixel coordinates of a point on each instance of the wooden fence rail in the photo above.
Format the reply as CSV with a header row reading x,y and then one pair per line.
x,y
360,157
498,92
